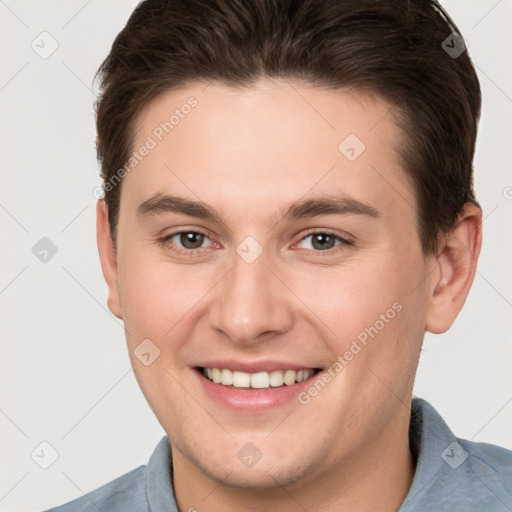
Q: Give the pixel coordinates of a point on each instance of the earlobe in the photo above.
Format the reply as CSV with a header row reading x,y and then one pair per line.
x,y
108,257
455,268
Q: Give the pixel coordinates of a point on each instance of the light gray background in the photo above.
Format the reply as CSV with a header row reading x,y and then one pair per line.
x,y
66,376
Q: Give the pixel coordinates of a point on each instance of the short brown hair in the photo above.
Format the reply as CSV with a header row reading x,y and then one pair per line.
x,y
393,48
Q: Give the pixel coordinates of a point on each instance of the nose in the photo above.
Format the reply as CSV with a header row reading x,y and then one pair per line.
x,y
251,303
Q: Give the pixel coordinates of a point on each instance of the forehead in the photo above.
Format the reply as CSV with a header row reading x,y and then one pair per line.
x,y
268,144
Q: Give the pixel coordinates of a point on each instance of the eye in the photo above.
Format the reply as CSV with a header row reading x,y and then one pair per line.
x,y
323,241
185,241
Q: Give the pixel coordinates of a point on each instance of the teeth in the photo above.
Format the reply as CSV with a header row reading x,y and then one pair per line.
x,y
241,379
226,377
289,377
216,377
276,378
259,380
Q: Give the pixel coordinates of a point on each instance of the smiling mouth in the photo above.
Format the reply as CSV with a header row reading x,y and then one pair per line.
x,y
258,380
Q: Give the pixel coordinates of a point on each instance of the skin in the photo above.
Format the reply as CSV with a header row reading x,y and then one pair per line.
x,y
248,154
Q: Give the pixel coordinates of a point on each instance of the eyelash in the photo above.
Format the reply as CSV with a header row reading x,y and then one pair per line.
x,y
343,243
164,242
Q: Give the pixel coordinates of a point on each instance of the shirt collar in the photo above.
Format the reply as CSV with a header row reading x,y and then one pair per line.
x,y
429,438
159,485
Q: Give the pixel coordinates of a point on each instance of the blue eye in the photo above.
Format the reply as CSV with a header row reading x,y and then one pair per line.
x,y
192,242
324,241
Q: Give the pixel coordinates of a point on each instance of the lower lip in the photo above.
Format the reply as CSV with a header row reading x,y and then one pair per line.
x,y
252,400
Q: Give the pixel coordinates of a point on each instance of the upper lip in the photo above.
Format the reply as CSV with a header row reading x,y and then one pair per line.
x,y
254,366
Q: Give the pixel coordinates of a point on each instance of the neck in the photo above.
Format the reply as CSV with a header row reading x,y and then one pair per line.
x,y
378,477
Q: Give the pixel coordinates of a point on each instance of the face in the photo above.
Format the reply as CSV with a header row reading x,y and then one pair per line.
x,y
269,240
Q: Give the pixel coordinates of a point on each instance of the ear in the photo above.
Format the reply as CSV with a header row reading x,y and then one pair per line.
x,y
108,257
454,270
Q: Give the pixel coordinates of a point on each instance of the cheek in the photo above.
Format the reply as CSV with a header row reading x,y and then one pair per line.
x,y
155,295
349,298
371,311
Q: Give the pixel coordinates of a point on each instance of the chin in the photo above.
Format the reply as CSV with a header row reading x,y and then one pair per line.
x,y
256,478
268,472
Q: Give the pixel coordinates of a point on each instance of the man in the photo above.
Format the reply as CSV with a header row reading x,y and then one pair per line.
x,y
288,208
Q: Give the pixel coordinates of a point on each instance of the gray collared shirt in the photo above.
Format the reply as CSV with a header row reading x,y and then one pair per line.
x,y
452,475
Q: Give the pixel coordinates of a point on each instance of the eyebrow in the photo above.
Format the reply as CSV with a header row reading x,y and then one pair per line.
x,y
324,205
174,204
329,205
